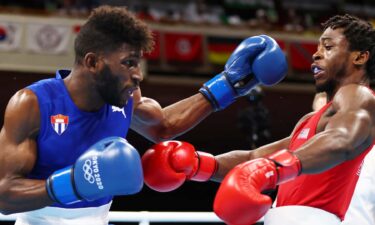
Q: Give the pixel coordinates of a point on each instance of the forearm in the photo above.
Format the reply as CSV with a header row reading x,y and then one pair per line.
x,y
23,195
185,114
160,124
229,160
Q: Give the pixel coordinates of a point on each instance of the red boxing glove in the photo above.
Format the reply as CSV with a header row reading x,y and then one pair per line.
x,y
239,200
168,164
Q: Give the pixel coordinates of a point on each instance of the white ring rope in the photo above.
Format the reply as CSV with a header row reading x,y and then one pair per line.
x,y
144,217
208,217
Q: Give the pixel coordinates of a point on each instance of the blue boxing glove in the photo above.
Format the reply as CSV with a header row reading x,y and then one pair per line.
x,y
110,167
257,60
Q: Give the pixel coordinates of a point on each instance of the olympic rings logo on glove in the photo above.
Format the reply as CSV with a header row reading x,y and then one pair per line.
x,y
91,172
88,171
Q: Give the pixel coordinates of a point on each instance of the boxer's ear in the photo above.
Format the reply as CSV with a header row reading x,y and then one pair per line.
x,y
360,57
90,61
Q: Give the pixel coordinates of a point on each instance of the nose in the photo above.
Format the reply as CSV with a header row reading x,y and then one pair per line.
x,y
317,55
137,76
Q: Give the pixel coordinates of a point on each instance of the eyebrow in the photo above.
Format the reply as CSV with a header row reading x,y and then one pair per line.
x,y
325,38
134,54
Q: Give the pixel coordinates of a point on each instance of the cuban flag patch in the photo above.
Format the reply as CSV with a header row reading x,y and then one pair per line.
x,y
59,123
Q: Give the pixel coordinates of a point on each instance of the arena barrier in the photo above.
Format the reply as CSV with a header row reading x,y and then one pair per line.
x,y
146,217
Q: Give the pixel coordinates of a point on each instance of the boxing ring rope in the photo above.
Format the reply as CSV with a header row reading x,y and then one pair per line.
x,y
145,217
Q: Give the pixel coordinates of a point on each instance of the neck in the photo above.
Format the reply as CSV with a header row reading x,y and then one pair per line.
x,y
82,91
359,78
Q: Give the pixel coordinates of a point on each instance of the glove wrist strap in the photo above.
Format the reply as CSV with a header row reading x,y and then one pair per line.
x,y
287,164
60,187
218,92
207,166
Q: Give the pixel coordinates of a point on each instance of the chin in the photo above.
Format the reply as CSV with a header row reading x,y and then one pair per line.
x,y
117,101
121,103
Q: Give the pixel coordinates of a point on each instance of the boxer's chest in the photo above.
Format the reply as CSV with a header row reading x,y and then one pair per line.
x,y
324,119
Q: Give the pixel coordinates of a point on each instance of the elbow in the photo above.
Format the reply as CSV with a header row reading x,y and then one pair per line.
x,y
7,204
344,148
7,207
4,207
347,153
6,211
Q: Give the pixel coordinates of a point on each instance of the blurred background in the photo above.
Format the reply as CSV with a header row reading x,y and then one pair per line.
x,y
193,40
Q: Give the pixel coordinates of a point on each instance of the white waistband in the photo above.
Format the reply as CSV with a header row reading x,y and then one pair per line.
x,y
65,216
299,215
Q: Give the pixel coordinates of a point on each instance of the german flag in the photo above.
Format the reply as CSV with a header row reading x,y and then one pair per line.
x,y
220,48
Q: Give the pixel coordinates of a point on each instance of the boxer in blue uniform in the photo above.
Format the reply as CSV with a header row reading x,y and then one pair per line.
x,y
63,155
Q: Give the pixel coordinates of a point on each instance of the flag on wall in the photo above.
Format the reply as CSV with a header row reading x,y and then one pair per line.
x,y
220,48
282,45
301,55
183,47
47,38
10,36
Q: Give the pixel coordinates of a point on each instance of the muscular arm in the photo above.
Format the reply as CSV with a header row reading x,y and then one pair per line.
x,y
347,134
18,154
229,160
158,124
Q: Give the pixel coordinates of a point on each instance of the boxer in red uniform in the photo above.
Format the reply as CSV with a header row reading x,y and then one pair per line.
x,y
316,167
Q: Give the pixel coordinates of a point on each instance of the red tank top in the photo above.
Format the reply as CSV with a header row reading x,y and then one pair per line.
x,y
331,190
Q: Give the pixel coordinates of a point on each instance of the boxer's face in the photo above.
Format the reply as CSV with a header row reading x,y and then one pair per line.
x,y
331,61
119,76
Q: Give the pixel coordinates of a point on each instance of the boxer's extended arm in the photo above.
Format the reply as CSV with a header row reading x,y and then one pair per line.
x,y
180,160
18,155
167,165
227,161
158,124
348,132
247,67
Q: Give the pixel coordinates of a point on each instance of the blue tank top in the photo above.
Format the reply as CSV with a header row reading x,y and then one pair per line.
x,y
66,132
